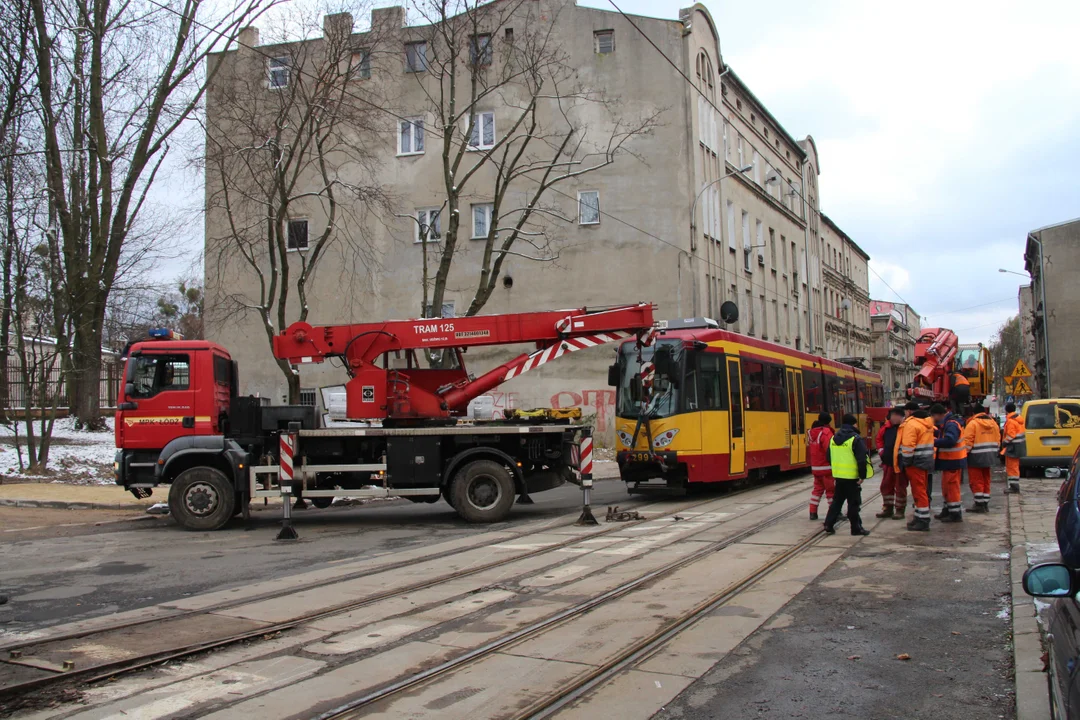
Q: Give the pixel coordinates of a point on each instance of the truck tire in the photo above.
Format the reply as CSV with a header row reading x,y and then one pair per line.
x,y
321,502
202,498
483,492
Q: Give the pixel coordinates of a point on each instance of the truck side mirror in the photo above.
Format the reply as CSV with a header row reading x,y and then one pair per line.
x,y
613,375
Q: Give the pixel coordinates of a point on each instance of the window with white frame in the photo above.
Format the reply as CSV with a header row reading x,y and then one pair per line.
x,y
416,57
361,64
481,220
411,136
746,241
277,73
483,131
428,225
757,168
480,50
604,41
760,244
298,235
588,207
731,224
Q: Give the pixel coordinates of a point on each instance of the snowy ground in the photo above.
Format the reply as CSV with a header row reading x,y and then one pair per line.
x,y
76,457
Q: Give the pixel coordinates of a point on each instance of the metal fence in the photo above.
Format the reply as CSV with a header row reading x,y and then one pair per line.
x,y
57,388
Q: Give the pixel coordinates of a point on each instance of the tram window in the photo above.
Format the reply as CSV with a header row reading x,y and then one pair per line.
x,y
878,394
812,380
753,380
712,382
775,394
832,393
864,395
850,398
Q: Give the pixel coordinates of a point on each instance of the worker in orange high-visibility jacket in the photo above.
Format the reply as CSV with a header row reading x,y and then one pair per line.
x,y
818,439
982,437
951,461
915,457
1012,440
959,391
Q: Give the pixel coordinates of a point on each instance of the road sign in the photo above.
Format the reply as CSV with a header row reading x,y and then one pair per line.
x,y
1020,370
1009,380
1021,387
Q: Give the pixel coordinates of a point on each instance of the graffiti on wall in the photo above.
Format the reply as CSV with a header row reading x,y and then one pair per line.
x,y
503,401
600,402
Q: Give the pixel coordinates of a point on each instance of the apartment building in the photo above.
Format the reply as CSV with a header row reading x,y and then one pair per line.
x,y
1051,257
716,202
894,329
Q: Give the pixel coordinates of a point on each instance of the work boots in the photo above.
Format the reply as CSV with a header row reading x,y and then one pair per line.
x,y
951,516
859,531
981,506
944,514
886,512
899,511
920,524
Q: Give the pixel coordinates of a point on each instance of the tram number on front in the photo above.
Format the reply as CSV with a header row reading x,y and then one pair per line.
x,y
640,457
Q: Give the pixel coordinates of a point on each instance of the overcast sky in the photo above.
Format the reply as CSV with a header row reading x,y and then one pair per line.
x,y
946,131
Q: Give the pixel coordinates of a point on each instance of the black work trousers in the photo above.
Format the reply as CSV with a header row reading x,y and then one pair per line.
x,y
846,491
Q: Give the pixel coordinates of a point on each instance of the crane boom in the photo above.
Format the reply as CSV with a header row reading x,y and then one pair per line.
x,y
418,391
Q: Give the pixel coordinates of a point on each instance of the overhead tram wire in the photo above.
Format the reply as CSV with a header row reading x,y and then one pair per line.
x,y
441,136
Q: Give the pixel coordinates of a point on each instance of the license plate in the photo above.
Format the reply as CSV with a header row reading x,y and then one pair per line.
x,y
1056,441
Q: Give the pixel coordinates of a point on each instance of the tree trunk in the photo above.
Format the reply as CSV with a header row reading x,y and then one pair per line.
x,y
292,381
86,400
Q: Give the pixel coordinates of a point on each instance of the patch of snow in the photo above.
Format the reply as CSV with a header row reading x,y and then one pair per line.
x,y
1003,556
75,456
1040,605
1004,613
1042,552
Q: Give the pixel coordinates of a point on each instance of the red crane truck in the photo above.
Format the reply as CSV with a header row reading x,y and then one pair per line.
x,y
181,422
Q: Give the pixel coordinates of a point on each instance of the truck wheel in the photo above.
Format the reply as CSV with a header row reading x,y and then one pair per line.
x,y
321,502
483,492
202,498
448,494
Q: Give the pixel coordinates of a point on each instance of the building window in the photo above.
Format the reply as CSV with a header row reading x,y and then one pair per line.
x,y
731,225
588,207
277,73
766,132
483,131
738,104
750,311
604,41
753,119
298,235
783,254
480,50
411,136
757,168
772,249
481,220
764,318
735,298
428,225
746,241
307,396
361,64
416,57
760,244
509,36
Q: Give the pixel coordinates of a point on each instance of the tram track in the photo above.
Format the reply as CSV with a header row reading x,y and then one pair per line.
x,y
109,669
638,651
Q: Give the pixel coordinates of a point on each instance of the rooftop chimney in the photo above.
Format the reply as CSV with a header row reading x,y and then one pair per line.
x,y
338,25
391,18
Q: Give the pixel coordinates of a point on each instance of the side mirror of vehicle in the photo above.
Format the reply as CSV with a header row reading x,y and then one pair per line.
x,y
667,365
613,375
1049,580
129,389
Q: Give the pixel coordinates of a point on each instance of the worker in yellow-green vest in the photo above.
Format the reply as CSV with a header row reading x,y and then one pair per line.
x,y
850,464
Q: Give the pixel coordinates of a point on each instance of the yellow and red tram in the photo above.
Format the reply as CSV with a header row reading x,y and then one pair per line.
x,y
724,406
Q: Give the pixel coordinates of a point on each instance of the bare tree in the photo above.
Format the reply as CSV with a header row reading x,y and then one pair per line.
x,y
114,82
482,64
290,181
1006,348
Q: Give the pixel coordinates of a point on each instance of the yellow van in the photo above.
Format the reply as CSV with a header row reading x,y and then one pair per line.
x,y
1052,434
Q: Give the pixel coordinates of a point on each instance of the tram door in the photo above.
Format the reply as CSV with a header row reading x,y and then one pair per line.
x,y
796,416
737,418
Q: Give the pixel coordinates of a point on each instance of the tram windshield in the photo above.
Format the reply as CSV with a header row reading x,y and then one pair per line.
x,y
665,390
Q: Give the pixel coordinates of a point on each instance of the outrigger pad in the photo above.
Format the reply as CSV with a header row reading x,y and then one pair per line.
x,y
287,532
525,500
587,518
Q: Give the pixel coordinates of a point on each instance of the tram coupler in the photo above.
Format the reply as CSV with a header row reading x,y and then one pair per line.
x,y
587,517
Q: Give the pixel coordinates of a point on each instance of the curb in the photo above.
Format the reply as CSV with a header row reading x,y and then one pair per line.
x,y
1032,682
64,505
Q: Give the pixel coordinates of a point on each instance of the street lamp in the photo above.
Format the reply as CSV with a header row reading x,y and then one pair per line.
x,y
1012,272
693,232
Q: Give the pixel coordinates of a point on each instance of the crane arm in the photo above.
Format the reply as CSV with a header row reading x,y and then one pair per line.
x,y
379,393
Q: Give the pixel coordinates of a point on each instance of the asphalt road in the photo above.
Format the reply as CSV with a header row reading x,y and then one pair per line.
x,y
906,625
60,571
